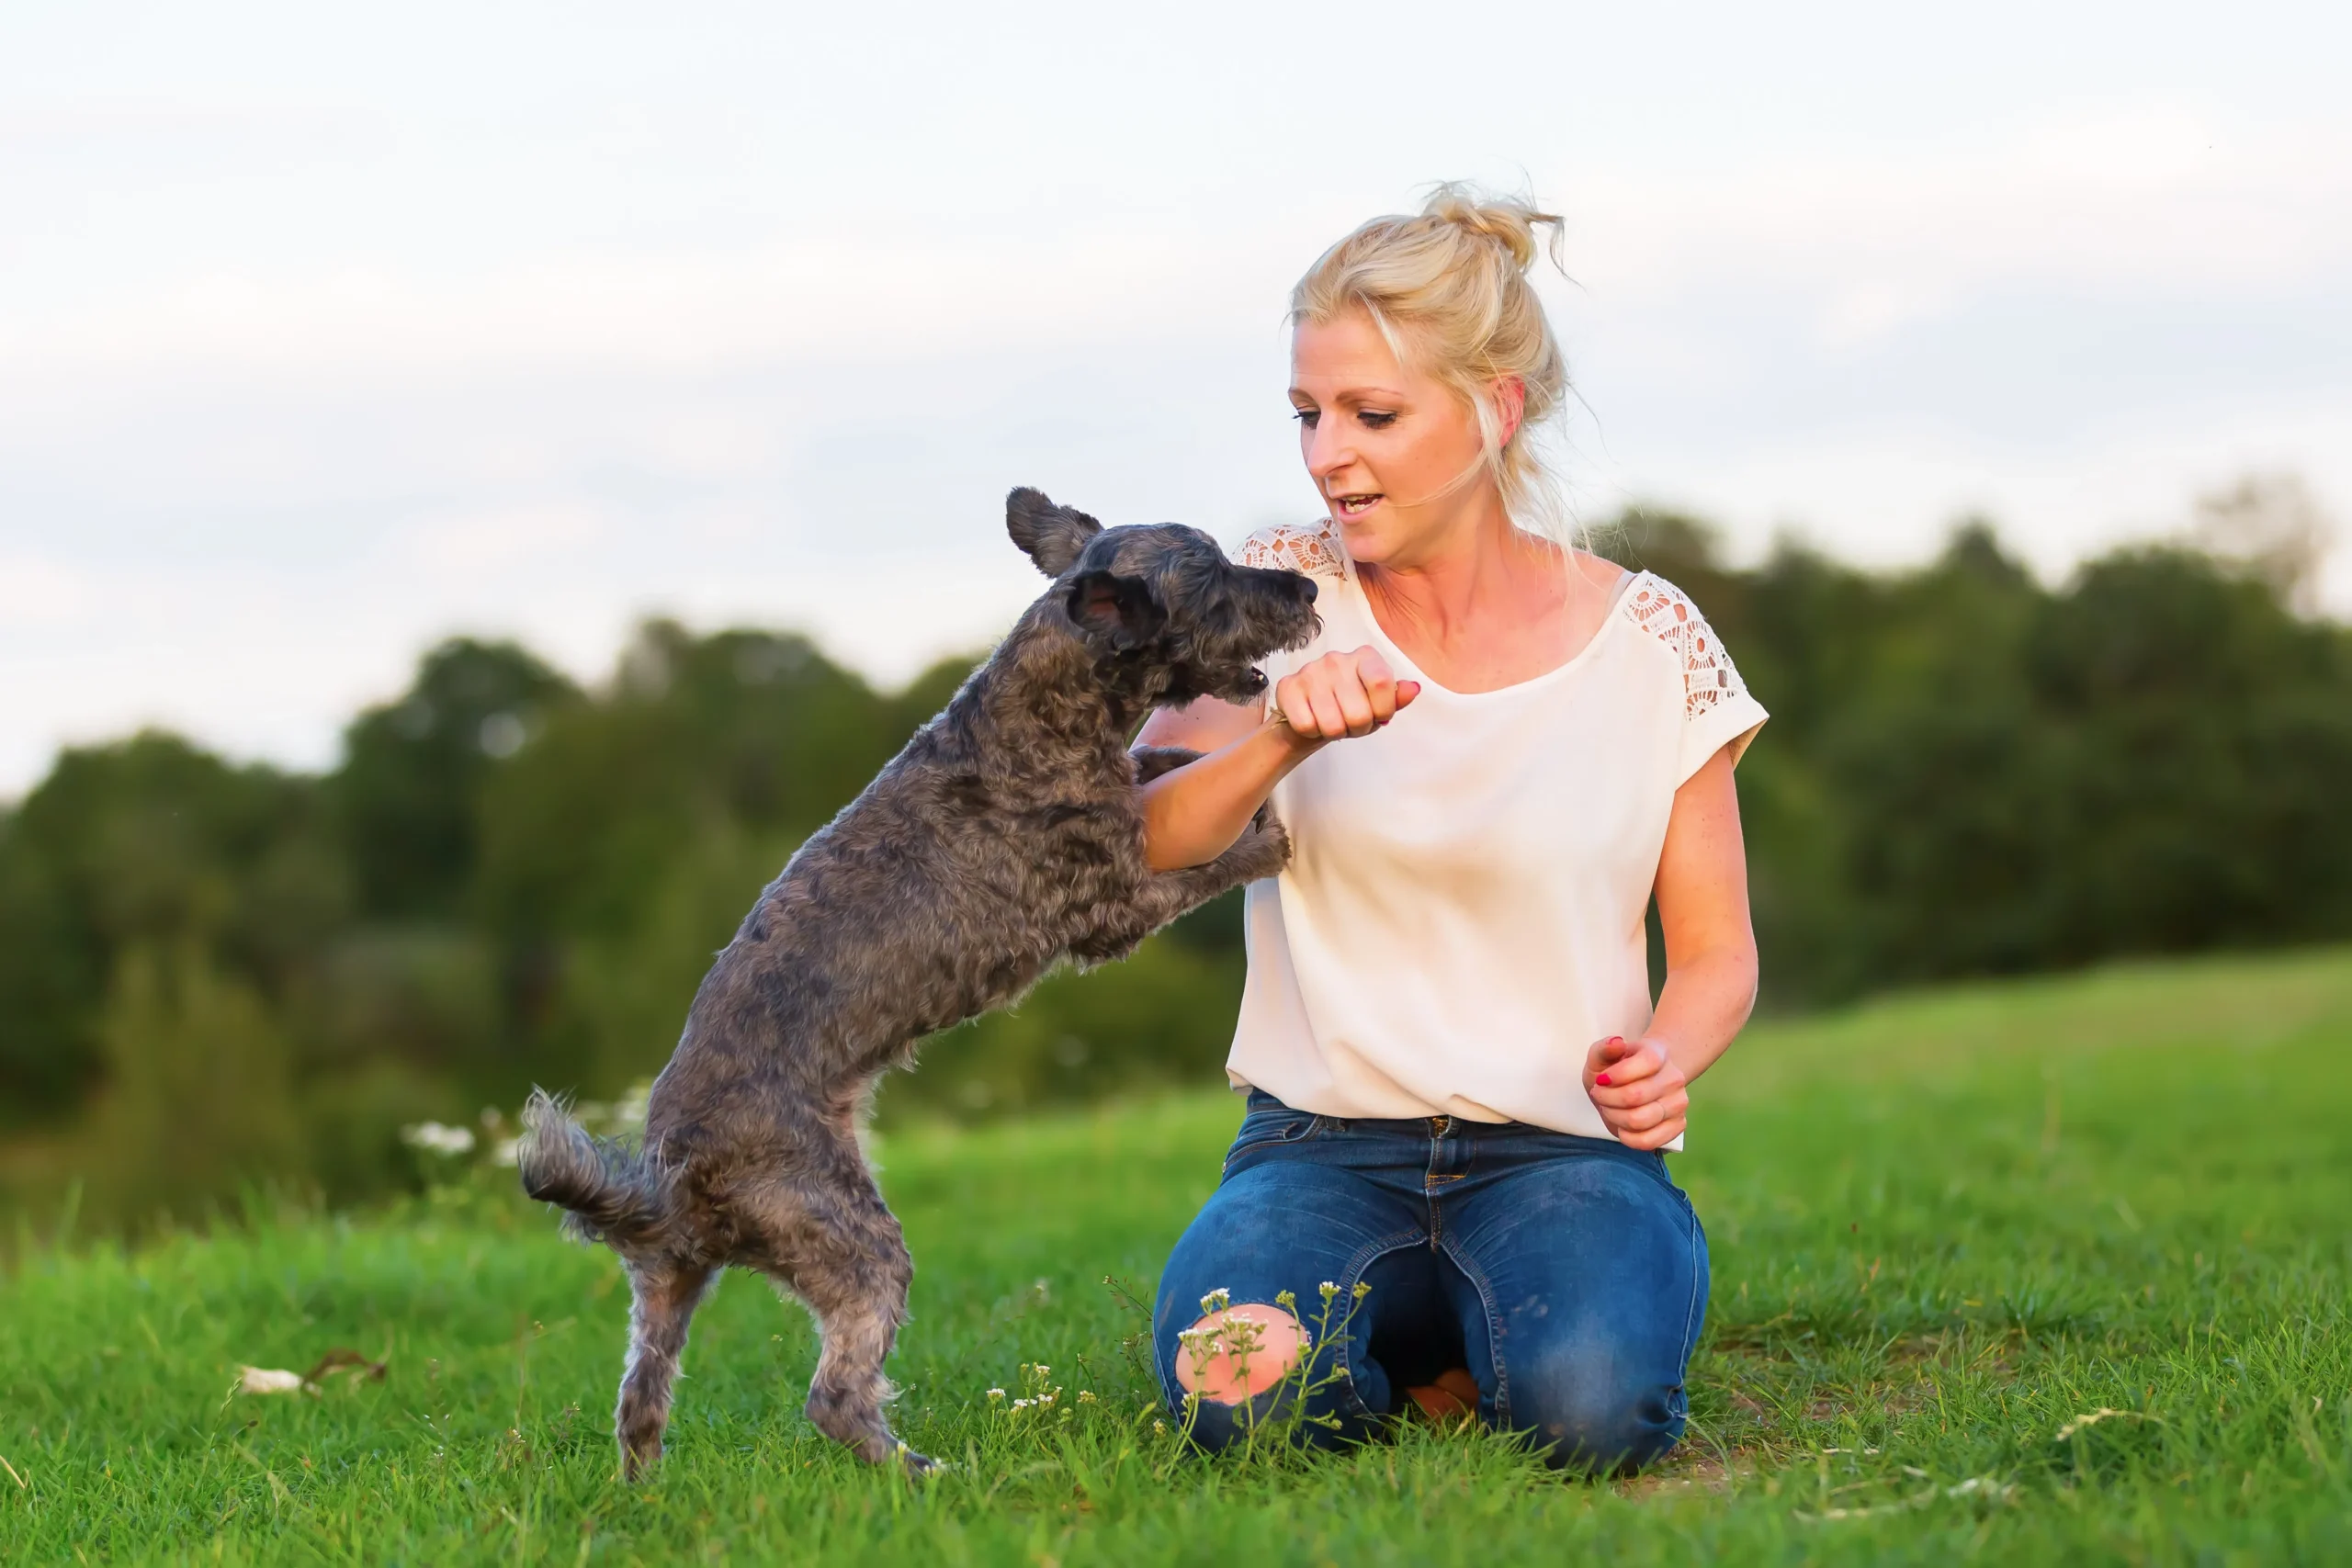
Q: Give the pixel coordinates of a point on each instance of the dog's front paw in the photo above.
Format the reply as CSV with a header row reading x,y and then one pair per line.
x,y
1153,761
1264,849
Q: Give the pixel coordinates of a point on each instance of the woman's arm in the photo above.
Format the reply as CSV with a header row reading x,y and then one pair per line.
x,y
1193,814
1641,1087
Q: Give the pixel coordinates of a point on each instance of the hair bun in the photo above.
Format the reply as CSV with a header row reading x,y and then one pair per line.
x,y
1448,289
1506,221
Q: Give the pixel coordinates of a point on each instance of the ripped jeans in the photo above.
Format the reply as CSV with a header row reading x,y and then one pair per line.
x,y
1568,1274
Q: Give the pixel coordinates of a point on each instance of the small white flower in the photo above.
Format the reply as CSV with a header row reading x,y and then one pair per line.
x,y
996,1393
436,1138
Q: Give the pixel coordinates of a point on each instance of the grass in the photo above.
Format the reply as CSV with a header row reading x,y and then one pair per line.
x,y
1945,1229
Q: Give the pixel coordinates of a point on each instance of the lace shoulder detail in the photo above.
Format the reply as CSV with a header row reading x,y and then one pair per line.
x,y
1311,549
1709,677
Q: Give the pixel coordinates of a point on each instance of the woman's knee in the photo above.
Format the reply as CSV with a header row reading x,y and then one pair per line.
x,y
1227,1371
1234,1351
1588,1411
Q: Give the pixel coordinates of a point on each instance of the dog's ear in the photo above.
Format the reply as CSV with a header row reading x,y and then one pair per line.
x,y
1118,609
1052,536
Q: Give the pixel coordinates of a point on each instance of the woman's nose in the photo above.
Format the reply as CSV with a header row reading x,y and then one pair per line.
x,y
1325,456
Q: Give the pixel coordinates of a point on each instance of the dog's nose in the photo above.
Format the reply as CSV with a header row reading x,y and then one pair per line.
x,y
1306,589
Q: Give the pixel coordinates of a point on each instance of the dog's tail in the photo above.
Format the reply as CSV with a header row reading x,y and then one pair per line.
x,y
613,1193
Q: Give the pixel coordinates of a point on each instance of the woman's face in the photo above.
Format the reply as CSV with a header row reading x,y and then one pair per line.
x,y
1384,442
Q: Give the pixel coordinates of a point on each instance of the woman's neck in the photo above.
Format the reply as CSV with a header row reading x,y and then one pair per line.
x,y
1486,563
1491,607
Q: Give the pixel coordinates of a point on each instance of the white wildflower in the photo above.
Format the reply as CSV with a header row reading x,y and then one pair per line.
x,y
438,1138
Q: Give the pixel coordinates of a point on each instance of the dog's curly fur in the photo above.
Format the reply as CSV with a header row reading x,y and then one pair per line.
x,y
1008,834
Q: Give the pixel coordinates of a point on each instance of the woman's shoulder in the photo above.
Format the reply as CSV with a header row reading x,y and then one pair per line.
x,y
1311,549
1668,615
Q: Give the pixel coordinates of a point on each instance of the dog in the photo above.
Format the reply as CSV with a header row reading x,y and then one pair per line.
x,y
1006,836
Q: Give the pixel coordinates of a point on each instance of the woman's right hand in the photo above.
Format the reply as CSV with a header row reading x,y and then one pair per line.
x,y
1340,695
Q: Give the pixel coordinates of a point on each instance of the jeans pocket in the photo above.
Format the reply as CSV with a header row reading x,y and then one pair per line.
x,y
1269,1128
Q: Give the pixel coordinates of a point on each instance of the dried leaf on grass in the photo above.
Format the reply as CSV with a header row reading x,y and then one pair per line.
x,y
2093,1417
339,1362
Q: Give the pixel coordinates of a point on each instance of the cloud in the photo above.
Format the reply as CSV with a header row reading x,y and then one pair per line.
x,y
501,539
42,592
2161,202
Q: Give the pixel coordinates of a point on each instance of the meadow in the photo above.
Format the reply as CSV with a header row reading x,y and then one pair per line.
x,y
2043,1270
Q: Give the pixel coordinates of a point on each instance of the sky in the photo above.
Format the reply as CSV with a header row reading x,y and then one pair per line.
x,y
325,334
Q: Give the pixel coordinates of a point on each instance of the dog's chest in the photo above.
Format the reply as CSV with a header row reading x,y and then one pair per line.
x,y
1088,852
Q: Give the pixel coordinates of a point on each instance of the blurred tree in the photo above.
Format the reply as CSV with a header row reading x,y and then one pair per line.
x,y
2273,526
199,1102
147,840
408,792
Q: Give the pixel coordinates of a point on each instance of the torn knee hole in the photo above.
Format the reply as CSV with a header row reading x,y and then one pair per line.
x,y
1239,1352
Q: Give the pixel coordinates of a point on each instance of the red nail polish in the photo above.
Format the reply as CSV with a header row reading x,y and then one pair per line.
x,y
1602,1077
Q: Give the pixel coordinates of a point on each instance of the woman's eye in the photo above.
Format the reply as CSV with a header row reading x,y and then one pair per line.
x,y
1305,416
1376,421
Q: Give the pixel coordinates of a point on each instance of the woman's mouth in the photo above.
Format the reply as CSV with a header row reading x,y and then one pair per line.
x,y
1355,505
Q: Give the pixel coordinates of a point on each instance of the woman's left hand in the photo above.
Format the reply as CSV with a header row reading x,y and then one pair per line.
x,y
1641,1096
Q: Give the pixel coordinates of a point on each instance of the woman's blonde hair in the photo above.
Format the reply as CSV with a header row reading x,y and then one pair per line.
x,y
1447,290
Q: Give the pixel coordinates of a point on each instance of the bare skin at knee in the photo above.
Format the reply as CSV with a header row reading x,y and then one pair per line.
x,y
1239,1352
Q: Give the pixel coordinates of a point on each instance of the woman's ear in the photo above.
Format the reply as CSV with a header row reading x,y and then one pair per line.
x,y
1509,394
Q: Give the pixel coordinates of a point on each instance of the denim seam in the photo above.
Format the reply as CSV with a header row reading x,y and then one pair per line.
x,y
1366,1256
1691,1313
1478,1278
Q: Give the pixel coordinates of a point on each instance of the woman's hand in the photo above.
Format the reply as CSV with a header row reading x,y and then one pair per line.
x,y
1340,695
1641,1096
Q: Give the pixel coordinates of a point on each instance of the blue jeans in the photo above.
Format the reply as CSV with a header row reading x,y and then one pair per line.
x,y
1568,1274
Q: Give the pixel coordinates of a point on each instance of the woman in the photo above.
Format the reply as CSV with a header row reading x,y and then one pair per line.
x,y
1493,753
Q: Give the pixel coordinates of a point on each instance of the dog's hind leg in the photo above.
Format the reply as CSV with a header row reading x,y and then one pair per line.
x,y
664,1298
841,1253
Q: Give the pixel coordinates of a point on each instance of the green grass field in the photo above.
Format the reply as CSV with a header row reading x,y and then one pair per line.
x,y
1945,1229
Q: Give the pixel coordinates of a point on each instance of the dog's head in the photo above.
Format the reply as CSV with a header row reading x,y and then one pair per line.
x,y
1162,602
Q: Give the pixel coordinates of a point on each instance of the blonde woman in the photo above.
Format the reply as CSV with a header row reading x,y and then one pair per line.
x,y
1495,750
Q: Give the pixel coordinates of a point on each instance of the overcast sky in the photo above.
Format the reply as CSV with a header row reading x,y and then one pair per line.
x,y
325,335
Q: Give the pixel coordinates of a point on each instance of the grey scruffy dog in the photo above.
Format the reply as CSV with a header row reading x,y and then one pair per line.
x,y
1007,834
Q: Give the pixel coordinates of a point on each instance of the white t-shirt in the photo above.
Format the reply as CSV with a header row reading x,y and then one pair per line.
x,y
1463,914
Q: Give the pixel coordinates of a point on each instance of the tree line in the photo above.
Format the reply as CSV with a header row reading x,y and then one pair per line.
x,y
214,974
